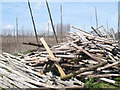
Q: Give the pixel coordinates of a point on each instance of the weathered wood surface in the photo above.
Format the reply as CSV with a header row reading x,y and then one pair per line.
x,y
104,75
82,55
108,80
109,65
16,74
52,56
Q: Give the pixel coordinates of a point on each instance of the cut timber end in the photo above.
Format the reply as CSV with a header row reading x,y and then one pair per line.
x,y
52,56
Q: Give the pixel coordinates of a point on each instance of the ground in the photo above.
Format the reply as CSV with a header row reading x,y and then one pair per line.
x,y
10,44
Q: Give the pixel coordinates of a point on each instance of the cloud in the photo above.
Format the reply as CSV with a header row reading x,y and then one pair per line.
x,y
8,27
38,6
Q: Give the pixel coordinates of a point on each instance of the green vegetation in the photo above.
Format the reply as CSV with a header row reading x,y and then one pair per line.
x,y
117,78
1,75
92,83
15,54
24,52
2,88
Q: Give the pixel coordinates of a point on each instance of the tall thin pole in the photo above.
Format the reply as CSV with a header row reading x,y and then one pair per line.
x,y
23,33
107,25
17,28
33,22
57,30
51,21
96,17
44,32
119,23
61,23
48,31
14,35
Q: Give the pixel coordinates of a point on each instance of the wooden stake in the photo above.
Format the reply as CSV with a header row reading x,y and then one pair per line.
x,y
52,56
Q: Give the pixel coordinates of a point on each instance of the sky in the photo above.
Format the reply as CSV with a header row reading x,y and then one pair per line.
x,y
79,14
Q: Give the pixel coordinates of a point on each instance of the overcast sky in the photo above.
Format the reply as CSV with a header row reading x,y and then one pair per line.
x,y
79,14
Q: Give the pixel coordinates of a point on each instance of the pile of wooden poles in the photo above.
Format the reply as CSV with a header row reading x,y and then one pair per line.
x,y
16,74
65,65
83,54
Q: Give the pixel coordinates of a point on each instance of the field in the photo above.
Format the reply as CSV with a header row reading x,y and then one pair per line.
x,y
10,44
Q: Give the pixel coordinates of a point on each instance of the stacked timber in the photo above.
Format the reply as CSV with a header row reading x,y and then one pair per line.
x,y
16,74
65,65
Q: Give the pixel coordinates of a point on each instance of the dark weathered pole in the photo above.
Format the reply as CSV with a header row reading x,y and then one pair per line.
x,y
51,21
33,22
17,28
96,17
61,23
96,31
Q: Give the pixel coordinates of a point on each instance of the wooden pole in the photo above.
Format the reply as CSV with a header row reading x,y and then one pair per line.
x,y
52,56
33,22
14,35
57,30
17,28
51,21
44,32
107,25
48,31
96,17
61,23
119,23
23,33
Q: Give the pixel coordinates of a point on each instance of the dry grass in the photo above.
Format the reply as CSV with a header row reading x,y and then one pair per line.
x,y
10,44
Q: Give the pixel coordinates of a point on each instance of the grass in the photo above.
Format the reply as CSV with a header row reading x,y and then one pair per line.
x,y
117,78
2,88
24,52
1,75
92,83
